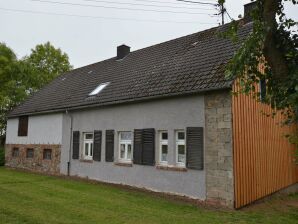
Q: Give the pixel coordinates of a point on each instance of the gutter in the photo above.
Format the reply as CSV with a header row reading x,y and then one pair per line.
x,y
70,141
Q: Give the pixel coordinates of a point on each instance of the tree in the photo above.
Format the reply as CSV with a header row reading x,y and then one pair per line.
x,y
12,81
47,63
20,78
274,42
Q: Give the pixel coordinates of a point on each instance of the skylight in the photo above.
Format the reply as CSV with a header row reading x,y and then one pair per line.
x,y
99,88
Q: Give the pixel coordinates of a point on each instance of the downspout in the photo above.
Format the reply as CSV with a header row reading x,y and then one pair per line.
x,y
70,141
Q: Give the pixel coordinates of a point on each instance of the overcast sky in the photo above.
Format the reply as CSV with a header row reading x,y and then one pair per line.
x,y
137,23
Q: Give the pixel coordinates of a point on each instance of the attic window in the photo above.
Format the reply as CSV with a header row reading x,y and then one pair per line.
x,y
98,89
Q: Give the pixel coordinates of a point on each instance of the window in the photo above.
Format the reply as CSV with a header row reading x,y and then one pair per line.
x,y
163,147
23,126
98,89
125,146
88,146
180,148
262,90
30,153
15,152
47,154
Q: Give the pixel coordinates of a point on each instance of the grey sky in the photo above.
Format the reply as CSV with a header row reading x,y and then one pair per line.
x,y
89,40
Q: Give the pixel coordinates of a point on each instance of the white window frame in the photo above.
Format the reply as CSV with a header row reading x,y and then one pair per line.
x,y
125,142
161,143
180,142
90,143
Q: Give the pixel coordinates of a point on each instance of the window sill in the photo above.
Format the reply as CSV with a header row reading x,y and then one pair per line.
x,y
123,164
171,168
86,160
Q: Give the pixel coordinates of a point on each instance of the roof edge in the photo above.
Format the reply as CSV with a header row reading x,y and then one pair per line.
x,y
120,102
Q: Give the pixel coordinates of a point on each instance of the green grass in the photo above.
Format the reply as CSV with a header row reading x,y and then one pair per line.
x,y
32,198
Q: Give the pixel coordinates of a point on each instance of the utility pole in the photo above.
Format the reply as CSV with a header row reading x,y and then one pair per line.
x,y
222,13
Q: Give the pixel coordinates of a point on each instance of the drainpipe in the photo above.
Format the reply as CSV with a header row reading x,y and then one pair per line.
x,y
70,141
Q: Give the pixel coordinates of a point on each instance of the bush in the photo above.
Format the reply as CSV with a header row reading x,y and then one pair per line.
x,y
2,156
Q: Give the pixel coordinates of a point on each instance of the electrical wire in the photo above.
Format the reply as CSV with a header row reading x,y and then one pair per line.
x,y
101,17
194,2
120,8
147,5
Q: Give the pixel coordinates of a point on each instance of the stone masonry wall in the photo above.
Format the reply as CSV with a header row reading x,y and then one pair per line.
x,y
219,148
37,163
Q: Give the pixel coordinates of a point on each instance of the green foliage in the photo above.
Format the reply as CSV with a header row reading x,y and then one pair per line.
x,y
47,63
2,156
20,78
282,89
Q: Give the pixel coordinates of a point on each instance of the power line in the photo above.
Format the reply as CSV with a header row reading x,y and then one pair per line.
x,y
195,2
147,5
100,17
121,8
154,1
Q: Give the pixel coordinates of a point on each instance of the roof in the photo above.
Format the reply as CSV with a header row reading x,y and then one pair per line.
x,y
186,65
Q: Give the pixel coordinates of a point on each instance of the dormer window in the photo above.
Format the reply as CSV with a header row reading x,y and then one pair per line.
x,y
98,89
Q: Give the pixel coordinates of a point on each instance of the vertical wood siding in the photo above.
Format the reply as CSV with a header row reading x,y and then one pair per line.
x,y
264,160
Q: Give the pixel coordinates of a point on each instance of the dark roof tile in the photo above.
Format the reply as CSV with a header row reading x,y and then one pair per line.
x,y
189,64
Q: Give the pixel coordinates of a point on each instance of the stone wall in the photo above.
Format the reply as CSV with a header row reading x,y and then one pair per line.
x,y
218,148
37,163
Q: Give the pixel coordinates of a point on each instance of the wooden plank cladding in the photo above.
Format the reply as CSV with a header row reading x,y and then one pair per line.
x,y
264,160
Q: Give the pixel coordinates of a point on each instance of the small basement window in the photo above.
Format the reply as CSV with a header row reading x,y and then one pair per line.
x,y
47,154
30,153
15,152
99,88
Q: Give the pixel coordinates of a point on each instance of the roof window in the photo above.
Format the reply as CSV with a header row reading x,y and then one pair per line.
x,y
99,88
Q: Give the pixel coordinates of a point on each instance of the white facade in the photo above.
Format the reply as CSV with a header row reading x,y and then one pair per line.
x,y
42,129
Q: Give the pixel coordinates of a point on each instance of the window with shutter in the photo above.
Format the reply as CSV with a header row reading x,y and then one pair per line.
x,y
125,146
23,126
76,145
144,146
97,146
195,148
138,146
148,155
163,147
88,146
180,148
109,145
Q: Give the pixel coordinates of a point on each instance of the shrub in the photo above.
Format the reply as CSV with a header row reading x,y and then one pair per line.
x,y
2,156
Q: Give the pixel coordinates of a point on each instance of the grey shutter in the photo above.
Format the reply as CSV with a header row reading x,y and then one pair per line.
x,y
138,146
195,148
76,145
97,146
109,145
148,154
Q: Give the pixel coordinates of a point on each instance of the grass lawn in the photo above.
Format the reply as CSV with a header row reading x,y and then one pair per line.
x,y
32,198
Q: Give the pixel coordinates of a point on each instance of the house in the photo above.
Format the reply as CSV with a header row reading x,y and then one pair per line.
x,y
161,118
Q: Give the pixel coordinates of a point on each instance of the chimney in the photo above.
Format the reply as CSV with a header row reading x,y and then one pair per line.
x,y
122,51
248,8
